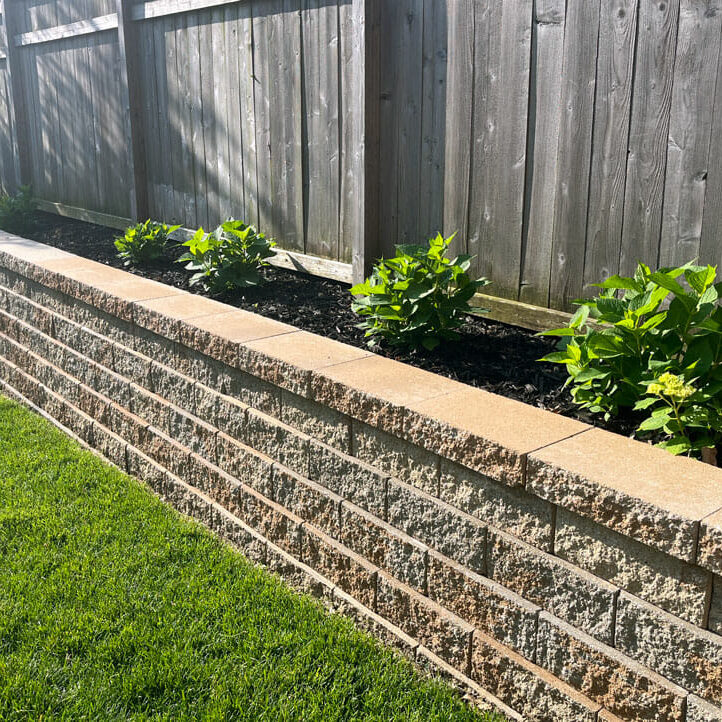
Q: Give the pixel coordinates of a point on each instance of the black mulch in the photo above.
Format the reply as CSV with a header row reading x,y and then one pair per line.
x,y
491,355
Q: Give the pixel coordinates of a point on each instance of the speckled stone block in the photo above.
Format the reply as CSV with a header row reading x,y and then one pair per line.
x,y
316,420
297,575
486,605
509,508
216,484
307,500
525,687
674,585
440,526
369,621
111,446
681,652
258,394
166,451
234,531
150,407
700,711
618,683
126,424
350,571
709,551
396,457
261,433
144,468
384,546
273,522
567,592
293,449
438,629
355,481
131,365
156,347
81,339
172,386
715,612
244,464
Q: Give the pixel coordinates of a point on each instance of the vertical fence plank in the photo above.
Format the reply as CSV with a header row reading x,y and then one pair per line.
x,y
361,53
321,127
262,39
544,121
612,107
247,80
14,67
711,242
220,122
132,105
651,101
695,73
433,118
236,200
408,95
459,103
574,154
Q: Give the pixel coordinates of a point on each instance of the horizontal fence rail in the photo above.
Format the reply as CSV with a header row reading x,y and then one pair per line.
x,y
562,142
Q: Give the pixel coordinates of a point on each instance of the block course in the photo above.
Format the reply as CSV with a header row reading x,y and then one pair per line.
x,y
539,581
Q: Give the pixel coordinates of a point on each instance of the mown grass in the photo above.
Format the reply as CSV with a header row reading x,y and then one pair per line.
x,y
114,607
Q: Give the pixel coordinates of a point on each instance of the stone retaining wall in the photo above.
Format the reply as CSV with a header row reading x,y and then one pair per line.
x,y
556,571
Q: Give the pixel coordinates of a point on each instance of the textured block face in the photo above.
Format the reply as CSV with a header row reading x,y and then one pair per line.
x,y
355,481
319,422
569,593
484,604
243,464
219,486
150,407
526,687
511,509
112,447
700,711
131,365
258,394
297,575
261,433
618,683
383,546
432,522
144,468
85,341
442,632
690,657
709,554
293,449
351,572
126,424
629,487
667,582
396,457
235,532
159,348
229,413
172,386
192,433
164,450
382,629
273,522
715,612
307,500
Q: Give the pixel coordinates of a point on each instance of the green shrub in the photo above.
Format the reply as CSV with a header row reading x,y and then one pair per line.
x,y
651,344
418,298
143,243
17,211
229,257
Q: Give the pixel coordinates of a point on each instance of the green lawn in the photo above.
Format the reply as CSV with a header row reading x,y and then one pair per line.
x,y
114,607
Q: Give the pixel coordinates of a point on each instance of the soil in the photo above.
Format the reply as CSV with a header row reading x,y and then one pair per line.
x,y
491,355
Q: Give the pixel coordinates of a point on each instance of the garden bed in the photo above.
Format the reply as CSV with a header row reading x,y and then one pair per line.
x,y
491,355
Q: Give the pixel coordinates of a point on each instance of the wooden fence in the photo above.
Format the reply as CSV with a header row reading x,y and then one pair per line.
x,y
561,140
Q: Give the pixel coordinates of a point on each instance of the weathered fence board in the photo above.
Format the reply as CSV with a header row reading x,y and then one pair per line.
x,y
561,141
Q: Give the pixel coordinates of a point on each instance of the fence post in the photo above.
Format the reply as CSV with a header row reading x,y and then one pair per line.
x,y
132,108
366,241
21,121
